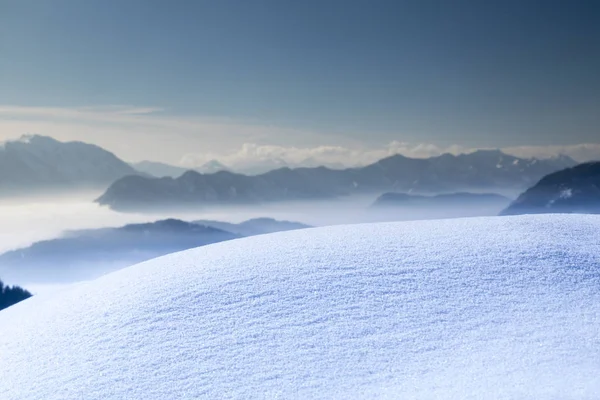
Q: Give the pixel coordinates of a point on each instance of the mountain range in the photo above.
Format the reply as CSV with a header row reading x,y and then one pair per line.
x,y
572,190
85,254
483,170
160,170
37,163
264,165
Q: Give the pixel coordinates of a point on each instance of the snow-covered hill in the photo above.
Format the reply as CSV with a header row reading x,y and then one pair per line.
x,y
483,308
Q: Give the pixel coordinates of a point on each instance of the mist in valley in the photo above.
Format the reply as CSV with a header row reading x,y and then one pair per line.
x,y
27,220
33,220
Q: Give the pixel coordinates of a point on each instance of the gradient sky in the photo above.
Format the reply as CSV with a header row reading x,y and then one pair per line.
x,y
208,76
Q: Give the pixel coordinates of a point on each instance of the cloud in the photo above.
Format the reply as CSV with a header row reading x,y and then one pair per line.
x,y
136,133
145,132
251,155
579,152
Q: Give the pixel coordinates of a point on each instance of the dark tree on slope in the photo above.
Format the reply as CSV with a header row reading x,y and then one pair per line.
x,y
10,295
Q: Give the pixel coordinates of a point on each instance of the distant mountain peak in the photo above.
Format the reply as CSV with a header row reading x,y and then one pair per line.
x,y
396,156
37,139
34,163
571,190
190,174
214,164
489,152
168,225
27,138
563,157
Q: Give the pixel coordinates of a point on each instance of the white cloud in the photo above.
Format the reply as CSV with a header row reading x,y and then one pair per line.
x,y
579,152
136,133
251,155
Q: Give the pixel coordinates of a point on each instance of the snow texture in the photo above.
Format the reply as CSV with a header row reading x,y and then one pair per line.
x,y
482,308
566,193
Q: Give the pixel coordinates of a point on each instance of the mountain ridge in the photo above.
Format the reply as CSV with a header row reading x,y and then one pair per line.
x,y
480,170
161,170
36,163
571,190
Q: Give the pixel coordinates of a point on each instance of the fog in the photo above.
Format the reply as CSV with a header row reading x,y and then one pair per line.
x,y
29,220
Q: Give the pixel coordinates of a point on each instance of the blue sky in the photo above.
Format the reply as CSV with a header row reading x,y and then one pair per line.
x,y
213,75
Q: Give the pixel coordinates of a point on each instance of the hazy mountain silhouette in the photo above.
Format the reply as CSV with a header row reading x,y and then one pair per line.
x,y
403,206
256,226
86,254
212,166
441,200
482,170
160,170
82,255
37,163
572,190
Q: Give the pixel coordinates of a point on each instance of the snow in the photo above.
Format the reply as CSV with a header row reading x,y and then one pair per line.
x,y
563,194
494,308
566,193
25,139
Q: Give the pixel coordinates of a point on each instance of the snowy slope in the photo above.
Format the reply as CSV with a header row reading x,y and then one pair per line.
x,y
483,308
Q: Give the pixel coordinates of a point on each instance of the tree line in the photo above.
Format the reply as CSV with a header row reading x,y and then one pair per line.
x,y
10,295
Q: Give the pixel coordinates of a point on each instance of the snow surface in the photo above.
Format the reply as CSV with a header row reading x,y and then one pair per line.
x,y
481,308
566,193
